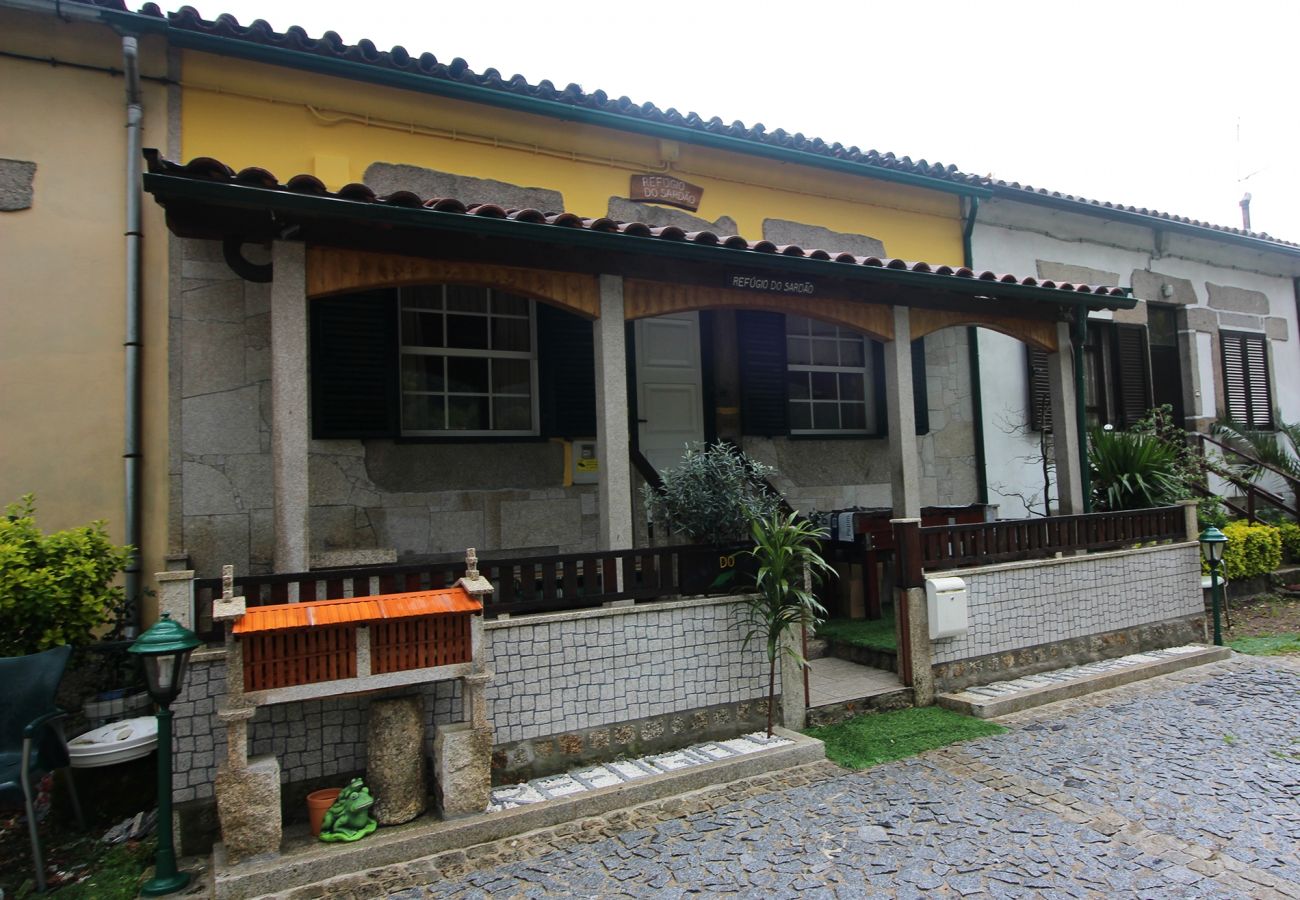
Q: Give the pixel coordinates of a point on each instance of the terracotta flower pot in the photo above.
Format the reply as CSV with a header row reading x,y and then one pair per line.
x,y
318,802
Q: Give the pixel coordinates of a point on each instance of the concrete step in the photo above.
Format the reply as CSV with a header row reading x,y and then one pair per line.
x,y
1003,697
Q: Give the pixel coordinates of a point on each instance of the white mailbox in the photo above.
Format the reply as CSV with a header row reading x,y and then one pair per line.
x,y
946,599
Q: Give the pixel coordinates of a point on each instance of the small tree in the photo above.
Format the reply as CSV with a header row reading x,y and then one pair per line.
x,y
55,588
713,495
789,561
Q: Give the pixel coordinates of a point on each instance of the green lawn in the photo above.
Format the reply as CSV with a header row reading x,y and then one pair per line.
x,y
877,634
1267,645
869,740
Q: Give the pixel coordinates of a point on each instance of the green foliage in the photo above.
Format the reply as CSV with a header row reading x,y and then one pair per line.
x,y
1290,534
869,740
1267,644
1133,470
1210,511
788,555
874,634
1252,550
713,495
54,589
1279,449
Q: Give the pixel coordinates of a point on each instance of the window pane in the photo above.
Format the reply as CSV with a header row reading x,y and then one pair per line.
x,y
853,415
825,352
467,332
422,329
796,325
800,416
797,351
851,353
467,413
467,375
508,305
817,326
852,387
510,334
823,386
512,376
421,413
512,414
423,373
423,297
797,385
464,298
826,415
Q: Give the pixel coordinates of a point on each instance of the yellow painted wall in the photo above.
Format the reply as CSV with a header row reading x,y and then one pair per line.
x,y
62,274
291,122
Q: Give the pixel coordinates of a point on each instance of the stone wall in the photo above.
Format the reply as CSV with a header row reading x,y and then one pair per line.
x,y
1014,606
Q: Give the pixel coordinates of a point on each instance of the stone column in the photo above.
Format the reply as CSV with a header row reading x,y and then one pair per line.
x,y
612,428
176,596
904,458
1190,520
1065,425
395,759
290,416
794,711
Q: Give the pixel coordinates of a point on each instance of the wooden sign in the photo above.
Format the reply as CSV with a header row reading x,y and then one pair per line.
x,y
666,190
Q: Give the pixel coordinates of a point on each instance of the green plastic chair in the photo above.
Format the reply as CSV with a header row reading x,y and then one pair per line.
x,y
31,736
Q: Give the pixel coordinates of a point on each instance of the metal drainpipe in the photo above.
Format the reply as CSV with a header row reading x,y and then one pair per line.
x,y
973,353
1081,402
131,453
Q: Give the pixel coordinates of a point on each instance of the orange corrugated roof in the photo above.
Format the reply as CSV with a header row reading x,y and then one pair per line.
x,y
357,610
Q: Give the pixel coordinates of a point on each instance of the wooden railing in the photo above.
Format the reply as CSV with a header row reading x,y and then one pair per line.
x,y
527,584
1253,493
956,546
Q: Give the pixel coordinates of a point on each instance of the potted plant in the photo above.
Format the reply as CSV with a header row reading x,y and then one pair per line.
x,y
710,499
789,560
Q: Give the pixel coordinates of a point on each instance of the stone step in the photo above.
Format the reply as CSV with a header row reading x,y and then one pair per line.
x,y
1003,697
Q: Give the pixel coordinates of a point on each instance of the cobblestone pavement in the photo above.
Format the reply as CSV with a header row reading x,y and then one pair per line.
x,y
1187,785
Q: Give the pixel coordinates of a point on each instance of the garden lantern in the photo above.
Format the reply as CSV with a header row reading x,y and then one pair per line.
x,y
164,651
1213,542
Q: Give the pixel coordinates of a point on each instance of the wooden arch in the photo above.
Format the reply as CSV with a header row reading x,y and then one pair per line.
x,y
1038,333
332,270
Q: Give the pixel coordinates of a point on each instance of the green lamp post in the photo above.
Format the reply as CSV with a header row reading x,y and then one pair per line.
x,y
164,651
1213,542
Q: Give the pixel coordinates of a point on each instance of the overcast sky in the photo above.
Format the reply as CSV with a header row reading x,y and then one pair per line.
x,y
1176,106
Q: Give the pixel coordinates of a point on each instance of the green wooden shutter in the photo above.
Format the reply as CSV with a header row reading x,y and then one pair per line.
x,y
763,408
1246,383
1133,371
920,391
566,365
1040,390
354,366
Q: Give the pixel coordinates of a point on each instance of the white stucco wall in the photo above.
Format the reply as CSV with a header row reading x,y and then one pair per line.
x,y
1013,237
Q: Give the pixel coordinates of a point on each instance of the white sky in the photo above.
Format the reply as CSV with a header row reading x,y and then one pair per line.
x,y
1176,106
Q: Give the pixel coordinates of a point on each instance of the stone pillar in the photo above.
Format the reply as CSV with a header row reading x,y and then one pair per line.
x,y
395,759
176,596
1065,425
794,711
248,805
290,415
904,458
920,658
462,769
612,427
1192,524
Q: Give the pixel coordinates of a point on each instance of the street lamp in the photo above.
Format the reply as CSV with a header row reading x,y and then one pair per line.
x,y
165,650
1213,542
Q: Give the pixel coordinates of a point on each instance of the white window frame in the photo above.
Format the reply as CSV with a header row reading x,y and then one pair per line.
x,y
865,370
463,352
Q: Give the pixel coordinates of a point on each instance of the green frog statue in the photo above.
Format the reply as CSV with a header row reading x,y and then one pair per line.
x,y
349,818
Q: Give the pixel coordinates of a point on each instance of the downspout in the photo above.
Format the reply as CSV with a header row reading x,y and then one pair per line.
x,y
1080,402
973,353
131,453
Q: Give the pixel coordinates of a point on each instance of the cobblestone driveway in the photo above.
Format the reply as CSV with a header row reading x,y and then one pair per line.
x,y
1184,786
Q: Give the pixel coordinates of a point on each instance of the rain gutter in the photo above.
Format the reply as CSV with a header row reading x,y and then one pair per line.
x,y
132,452
973,354
1081,402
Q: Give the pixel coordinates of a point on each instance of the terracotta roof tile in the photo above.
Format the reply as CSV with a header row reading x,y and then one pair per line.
x,y
203,169
357,610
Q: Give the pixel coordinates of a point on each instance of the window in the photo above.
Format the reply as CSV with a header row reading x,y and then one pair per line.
x,y
826,379
468,361
1246,385
1117,377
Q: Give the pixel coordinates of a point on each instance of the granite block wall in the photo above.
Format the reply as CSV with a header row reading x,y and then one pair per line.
x,y
1017,605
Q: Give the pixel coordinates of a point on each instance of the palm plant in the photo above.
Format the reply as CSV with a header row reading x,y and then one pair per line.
x,y
1279,449
1133,471
789,562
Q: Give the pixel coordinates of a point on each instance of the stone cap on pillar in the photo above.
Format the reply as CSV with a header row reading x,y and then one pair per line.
x,y
228,607
474,583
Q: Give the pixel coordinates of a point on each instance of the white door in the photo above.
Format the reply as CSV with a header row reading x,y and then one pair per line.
x,y
669,395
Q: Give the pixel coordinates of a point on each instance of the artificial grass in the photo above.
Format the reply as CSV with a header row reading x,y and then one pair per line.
x,y
1267,644
875,634
865,741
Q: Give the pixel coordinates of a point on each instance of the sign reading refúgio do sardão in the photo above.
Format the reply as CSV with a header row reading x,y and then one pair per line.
x,y
770,284
666,190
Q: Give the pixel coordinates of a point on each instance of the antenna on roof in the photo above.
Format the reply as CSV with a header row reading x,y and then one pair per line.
x,y
1245,211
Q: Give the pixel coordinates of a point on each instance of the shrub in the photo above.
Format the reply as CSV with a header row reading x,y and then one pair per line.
x,y
54,588
1290,534
713,495
1132,470
1252,550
